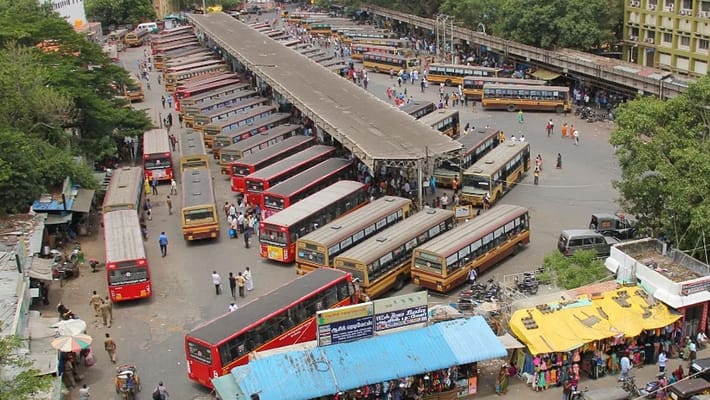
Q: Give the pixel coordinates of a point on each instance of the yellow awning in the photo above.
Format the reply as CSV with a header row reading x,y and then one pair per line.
x,y
545,74
566,326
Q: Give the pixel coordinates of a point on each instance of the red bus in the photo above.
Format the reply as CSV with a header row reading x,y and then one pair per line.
x,y
260,181
184,92
278,234
239,170
156,155
283,317
127,269
300,186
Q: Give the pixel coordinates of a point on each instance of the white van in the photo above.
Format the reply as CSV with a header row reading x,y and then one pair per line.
x,y
151,27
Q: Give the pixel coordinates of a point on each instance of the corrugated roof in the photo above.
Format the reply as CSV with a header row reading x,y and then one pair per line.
x,y
326,370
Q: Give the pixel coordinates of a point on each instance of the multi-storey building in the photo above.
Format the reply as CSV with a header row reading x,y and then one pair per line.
x,y
672,35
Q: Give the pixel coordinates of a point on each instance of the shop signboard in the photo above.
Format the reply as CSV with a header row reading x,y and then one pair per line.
x,y
345,324
400,311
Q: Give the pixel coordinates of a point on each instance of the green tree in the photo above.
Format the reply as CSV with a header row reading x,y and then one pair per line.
x,y
663,148
471,13
120,12
582,268
25,384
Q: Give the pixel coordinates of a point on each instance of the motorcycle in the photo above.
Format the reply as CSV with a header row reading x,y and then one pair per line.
x,y
62,268
528,285
629,385
65,313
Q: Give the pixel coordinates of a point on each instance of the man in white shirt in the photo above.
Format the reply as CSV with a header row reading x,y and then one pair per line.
x,y
217,281
625,365
702,339
233,307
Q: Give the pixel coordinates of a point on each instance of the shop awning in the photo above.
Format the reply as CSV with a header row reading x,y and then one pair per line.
x,y
323,371
41,268
545,75
565,326
57,219
41,333
83,200
509,342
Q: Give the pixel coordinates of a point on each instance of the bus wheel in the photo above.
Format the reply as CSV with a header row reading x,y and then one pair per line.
x,y
511,107
399,284
516,249
559,109
447,82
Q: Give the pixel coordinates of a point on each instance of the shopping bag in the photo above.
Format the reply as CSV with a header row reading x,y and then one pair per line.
x,y
89,360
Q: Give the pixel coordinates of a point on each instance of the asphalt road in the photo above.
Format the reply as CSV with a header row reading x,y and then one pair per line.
x,y
150,333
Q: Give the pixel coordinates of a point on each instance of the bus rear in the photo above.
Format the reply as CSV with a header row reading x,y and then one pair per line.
x,y
127,271
157,161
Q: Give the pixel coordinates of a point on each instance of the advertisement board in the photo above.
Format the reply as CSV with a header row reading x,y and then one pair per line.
x,y
399,311
345,324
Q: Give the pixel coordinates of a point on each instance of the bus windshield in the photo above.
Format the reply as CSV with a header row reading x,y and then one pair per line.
x,y
156,162
205,214
127,275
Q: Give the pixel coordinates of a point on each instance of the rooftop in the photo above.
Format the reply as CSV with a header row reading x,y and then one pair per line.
x,y
674,264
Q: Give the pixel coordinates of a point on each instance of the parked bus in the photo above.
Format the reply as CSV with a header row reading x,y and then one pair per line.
x,y
204,86
125,190
383,262
233,110
320,28
390,42
379,62
304,184
127,271
198,216
192,151
261,180
357,50
496,173
257,161
264,138
207,102
158,42
283,317
136,37
418,109
245,132
160,59
157,161
444,263
475,145
118,37
133,89
446,121
372,36
172,32
526,97
453,74
473,85
220,133
187,60
319,248
172,77
279,232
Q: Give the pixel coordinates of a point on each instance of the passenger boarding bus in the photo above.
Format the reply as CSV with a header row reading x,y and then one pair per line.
x,y
264,138
446,121
444,263
260,181
136,37
257,161
173,76
192,150
125,190
278,233
209,101
379,62
475,145
526,97
418,109
127,271
219,133
383,262
157,161
357,50
304,184
473,85
453,74
285,316
319,248
496,173
198,215
247,131
233,110
133,89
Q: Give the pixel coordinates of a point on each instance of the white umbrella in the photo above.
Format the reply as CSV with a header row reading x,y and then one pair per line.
x,y
70,327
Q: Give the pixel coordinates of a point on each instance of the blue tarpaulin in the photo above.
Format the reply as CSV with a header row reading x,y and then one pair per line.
x,y
321,371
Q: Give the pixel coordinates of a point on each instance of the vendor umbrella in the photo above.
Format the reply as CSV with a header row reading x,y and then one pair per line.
x,y
72,343
70,327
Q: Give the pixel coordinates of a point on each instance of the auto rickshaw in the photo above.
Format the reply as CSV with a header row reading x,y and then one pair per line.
x,y
128,383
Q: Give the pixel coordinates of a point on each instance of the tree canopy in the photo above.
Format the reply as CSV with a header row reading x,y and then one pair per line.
x,y
24,385
59,102
663,148
120,12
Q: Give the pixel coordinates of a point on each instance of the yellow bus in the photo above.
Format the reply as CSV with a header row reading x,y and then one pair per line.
x,y
475,145
209,101
380,62
526,97
473,85
133,90
172,78
348,37
446,121
357,50
198,215
160,59
383,262
118,37
319,28
444,263
496,173
223,133
231,110
136,37
192,151
319,248
453,74
388,42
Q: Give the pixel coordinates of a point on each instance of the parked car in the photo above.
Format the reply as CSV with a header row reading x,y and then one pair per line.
x,y
617,225
573,240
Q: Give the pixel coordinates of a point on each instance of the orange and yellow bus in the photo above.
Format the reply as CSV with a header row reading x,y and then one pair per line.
x,y
473,85
496,173
357,50
453,74
380,62
526,97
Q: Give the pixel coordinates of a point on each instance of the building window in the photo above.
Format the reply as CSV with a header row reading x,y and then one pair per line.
x,y
685,41
667,38
703,44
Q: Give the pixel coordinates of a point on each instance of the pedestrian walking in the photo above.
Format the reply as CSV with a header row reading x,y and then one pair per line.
x,y
537,175
154,184
173,140
575,134
549,127
170,205
246,236
110,347
662,360
521,118
217,282
232,285
109,307
180,119
95,300
84,392
241,282
163,242
538,162
170,104
564,130
173,187
625,366
161,392
159,79
472,275
226,209
162,101
249,280
148,208
68,375
559,161
105,310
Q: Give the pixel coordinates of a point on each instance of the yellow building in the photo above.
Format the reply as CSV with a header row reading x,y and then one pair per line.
x,y
673,35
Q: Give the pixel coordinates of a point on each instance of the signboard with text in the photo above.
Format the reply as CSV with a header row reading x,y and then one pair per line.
x,y
345,324
399,311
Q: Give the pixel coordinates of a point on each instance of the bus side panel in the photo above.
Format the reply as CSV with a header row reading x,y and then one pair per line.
x,y
387,283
